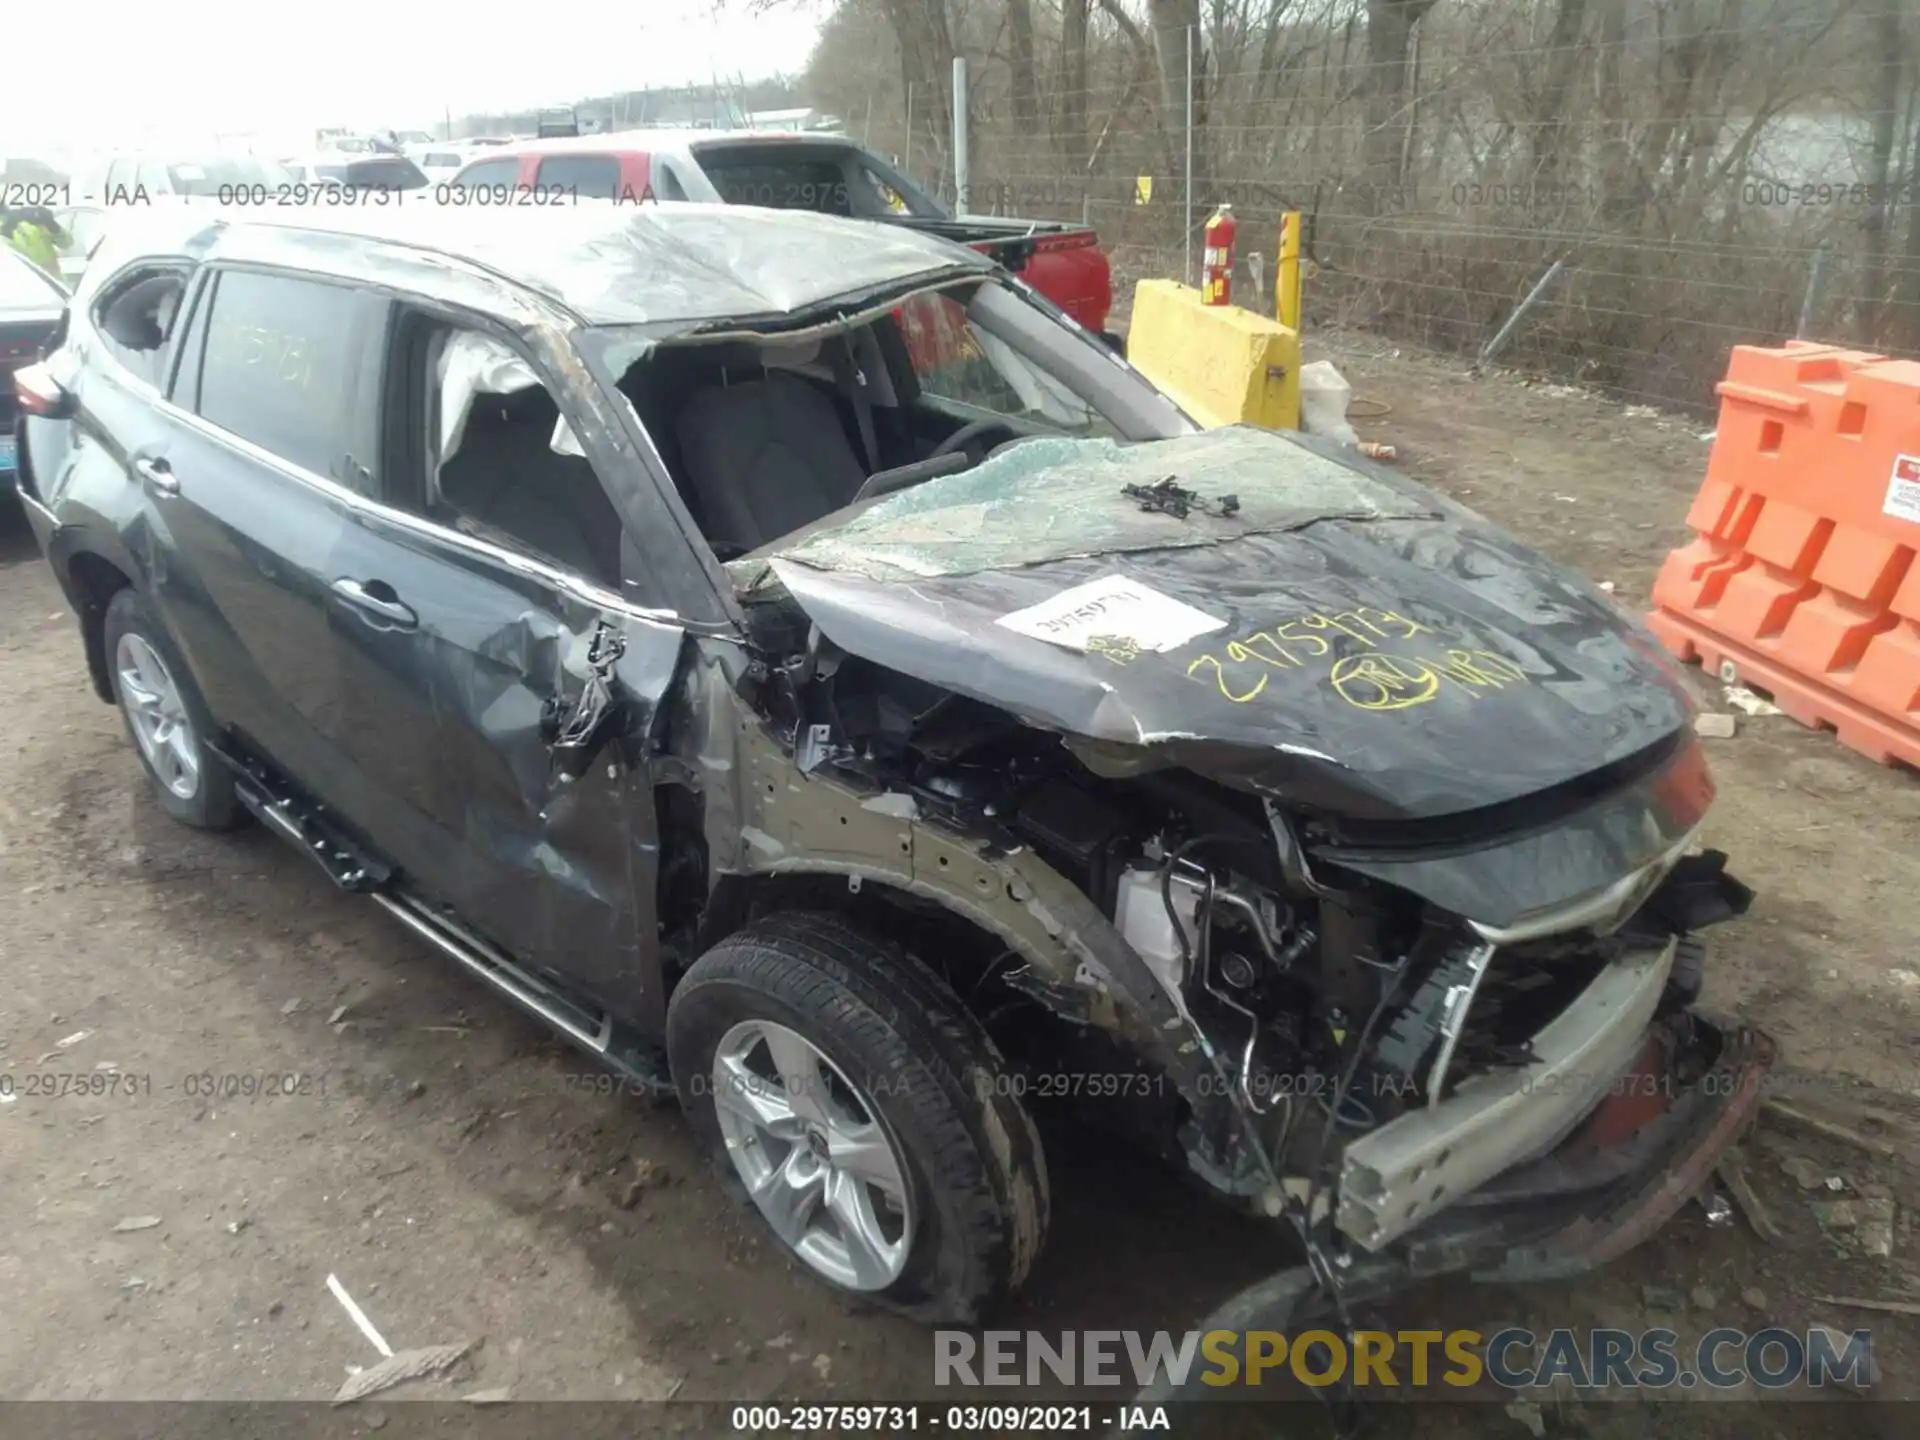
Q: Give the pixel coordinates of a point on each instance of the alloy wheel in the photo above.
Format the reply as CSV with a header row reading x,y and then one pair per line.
x,y
812,1151
159,720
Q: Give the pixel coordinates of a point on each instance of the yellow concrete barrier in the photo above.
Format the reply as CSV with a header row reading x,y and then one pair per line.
x,y
1224,365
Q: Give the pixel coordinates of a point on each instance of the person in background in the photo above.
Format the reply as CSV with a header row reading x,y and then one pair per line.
x,y
32,230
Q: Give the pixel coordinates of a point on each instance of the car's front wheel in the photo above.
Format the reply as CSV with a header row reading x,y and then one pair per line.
x,y
165,719
847,1093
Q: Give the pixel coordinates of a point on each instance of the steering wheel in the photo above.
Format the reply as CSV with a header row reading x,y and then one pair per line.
x,y
962,437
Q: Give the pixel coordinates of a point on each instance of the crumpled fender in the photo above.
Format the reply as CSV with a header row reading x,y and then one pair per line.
x,y
763,817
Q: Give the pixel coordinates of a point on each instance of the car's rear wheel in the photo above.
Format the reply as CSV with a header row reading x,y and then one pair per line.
x,y
850,1097
165,718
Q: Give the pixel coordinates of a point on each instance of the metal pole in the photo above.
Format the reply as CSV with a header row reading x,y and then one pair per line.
x,y
962,186
906,165
1494,346
1287,279
1810,303
866,130
1187,228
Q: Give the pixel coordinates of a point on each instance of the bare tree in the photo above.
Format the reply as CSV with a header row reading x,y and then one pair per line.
x,y
1551,112
1390,26
921,30
1070,113
1026,87
1880,174
1177,45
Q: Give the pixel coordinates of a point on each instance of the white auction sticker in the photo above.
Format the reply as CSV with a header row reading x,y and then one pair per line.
x,y
1903,490
1112,608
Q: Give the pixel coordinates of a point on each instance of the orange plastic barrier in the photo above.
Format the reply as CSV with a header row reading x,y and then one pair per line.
x,y
1801,575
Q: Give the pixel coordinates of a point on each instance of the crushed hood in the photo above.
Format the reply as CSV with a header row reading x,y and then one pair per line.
x,y
1342,638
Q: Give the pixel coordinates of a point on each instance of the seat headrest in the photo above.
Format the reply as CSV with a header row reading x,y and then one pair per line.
x,y
741,359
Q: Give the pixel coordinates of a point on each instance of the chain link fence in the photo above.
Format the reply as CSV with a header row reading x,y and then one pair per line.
x,y
1688,174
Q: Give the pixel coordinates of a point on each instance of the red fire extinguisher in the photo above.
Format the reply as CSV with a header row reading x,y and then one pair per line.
x,y
1216,265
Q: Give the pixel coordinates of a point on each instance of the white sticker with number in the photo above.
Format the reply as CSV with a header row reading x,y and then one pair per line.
x,y
1903,490
1112,609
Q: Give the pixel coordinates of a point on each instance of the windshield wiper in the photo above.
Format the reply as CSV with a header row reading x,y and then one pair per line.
x,y
1170,498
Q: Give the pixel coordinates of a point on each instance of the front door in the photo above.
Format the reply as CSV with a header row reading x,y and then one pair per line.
x,y
463,672
478,609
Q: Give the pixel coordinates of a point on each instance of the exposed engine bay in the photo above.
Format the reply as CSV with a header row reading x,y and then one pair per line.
x,y
1330,1005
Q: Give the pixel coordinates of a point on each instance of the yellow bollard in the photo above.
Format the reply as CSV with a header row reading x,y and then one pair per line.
x,y
1286,288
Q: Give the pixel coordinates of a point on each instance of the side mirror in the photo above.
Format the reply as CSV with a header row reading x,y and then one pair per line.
x,y
40,394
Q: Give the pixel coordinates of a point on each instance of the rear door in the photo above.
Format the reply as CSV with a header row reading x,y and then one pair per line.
x,y
114,363
271,434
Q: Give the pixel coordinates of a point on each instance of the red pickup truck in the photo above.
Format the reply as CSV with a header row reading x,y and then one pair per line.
x,y
795,171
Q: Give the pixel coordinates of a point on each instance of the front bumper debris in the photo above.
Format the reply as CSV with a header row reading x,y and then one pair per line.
x,y
1682,1149
1595,1197
1422,1162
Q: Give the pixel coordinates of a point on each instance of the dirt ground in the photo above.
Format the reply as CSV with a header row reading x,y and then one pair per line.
x,y
465,1178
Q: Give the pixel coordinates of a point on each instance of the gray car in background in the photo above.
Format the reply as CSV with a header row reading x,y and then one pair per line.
x,y
32,303
140,183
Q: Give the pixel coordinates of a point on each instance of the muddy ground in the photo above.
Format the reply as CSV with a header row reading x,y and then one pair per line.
x,y
464,1178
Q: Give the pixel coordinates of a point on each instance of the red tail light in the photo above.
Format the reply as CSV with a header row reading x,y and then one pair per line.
x,y
40,394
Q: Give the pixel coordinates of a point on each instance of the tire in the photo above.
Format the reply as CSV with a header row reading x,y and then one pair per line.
x,y
972,1175
1292,1302
135,646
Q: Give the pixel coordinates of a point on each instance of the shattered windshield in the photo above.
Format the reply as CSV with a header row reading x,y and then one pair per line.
x,y
1050,499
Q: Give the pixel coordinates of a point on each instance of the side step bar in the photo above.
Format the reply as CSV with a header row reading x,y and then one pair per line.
x,y
598,1033
307,828
500,972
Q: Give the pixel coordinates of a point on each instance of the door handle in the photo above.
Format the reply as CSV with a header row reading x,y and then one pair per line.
x,y
157,475
388,607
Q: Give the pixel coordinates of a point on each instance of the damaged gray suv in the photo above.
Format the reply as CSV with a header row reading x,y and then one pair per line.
x,y
797,663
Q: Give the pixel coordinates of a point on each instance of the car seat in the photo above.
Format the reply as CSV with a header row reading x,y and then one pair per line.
x,y
764,452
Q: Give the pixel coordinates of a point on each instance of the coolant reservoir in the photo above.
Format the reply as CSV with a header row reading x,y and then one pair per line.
x,y
1140,913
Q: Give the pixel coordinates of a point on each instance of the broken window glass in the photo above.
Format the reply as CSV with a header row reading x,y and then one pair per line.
x,y
473,364
508,467
1049,499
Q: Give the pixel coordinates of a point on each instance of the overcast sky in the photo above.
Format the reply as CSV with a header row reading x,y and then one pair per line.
x,y
115,72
